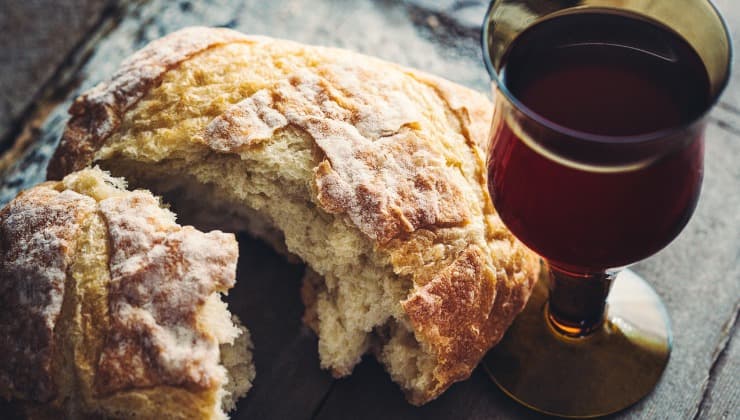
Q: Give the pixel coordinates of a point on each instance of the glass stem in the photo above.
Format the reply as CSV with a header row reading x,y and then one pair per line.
x,y
577,301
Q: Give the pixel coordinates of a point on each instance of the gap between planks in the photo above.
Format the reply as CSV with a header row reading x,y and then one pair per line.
x,y
728,332
324,399
25,130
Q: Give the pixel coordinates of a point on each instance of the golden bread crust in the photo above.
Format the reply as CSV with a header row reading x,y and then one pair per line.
x,y
386,179
161,275
37,234
398,154
87,342
97,113
462,311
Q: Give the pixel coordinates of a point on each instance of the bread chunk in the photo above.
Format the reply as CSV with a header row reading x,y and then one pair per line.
x,y
370,172
112,309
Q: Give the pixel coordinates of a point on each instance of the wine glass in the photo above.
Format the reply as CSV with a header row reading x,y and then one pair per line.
x,y
596,162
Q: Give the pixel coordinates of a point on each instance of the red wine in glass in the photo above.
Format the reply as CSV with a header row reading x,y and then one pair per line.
x,y
602,75
595,162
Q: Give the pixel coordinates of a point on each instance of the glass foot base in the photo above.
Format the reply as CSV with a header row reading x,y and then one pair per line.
x,y
604,372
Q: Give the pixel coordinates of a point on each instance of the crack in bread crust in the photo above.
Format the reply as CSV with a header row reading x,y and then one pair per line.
x,y
97,113
111,309
399,161
453,307
37,233
161,275
382,175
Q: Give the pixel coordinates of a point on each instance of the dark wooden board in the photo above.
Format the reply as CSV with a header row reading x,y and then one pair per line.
x,y
289,382
51,35
698,275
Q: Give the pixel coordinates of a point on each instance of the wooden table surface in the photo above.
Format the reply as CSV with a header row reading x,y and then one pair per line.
x,y
50,51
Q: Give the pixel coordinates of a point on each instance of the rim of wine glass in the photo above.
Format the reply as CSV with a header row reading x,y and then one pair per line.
x,y
601,138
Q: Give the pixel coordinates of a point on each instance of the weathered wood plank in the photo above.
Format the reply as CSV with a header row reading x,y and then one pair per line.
x,y
722,399
730,9
289,382
37,38
370,394
697,275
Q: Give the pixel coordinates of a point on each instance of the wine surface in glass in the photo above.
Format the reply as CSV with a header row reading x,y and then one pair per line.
x,y
605,74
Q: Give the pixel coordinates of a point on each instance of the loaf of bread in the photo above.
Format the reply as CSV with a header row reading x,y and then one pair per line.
x,y
110,309
370,172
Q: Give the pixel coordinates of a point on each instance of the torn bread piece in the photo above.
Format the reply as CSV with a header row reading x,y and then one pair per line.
x,y
371,173
112,309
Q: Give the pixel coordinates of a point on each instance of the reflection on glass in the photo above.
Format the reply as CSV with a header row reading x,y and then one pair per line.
x,y
596,162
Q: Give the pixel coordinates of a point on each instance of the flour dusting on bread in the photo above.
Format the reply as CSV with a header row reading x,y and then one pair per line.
x,y
113,309
161,276
371,173
38,232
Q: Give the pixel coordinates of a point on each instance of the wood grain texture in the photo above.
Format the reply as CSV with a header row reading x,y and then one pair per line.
x,y
45,37
731,11
698,275
722,396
